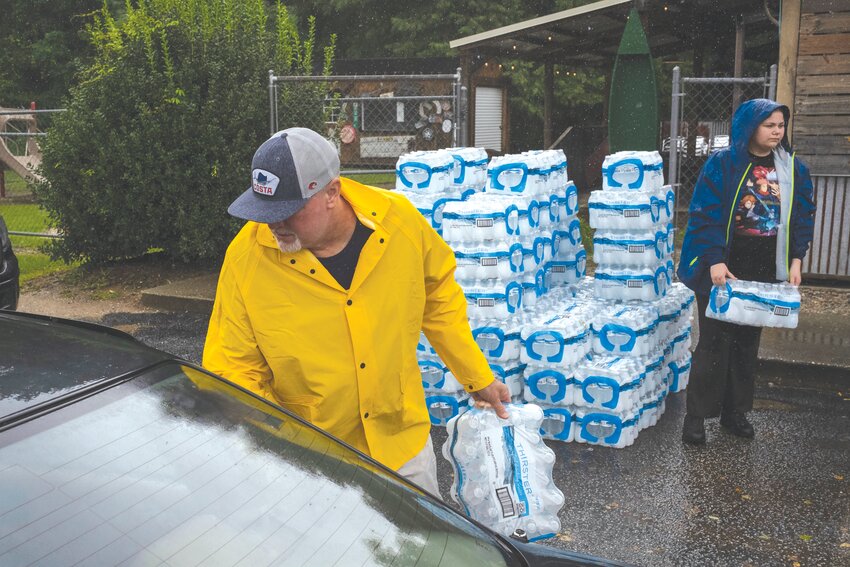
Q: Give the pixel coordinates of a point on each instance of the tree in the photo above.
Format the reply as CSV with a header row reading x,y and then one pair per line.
x,y
159,133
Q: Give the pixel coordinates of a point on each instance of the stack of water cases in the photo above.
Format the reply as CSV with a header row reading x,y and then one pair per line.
x,y
431,180
513,242
621,348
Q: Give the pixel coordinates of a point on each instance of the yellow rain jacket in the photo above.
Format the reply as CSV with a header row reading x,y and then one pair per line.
x,y
345,360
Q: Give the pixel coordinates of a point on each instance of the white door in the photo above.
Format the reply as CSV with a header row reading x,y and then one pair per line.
x,y
488,118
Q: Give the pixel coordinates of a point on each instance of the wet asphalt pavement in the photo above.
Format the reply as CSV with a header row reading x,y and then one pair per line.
x,y
782,498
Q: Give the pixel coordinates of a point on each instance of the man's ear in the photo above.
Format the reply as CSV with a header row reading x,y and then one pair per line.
x,y
332,192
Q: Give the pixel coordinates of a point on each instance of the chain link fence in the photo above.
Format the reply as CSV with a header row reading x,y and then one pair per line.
x,y
373,119
701,115
20,156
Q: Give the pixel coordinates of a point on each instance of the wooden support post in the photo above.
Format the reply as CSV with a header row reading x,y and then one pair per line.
x,y
548,102
789,39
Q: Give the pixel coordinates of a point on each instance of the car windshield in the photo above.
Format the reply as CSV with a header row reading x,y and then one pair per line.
x,y
177,467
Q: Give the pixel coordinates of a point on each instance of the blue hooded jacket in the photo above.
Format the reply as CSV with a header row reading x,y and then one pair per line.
x,y
709,235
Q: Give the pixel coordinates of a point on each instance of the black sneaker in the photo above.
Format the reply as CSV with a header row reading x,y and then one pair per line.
x,y
693,430
737,424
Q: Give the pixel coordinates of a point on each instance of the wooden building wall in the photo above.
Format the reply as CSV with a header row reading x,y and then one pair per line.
x,y
821,89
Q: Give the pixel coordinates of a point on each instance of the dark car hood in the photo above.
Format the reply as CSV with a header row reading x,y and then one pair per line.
x,y
44,358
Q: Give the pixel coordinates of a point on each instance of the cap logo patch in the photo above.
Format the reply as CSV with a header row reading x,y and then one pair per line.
x,y
263,182
312,186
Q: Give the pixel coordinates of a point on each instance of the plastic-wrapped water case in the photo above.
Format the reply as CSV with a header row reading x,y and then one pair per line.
x,y
558,423
503,471
483,219
493,302
443,406
624,211
511,376
500,341
756,304
563,338
626,330
436,377
470,168
540,246
567,200
566,240
630,248
516,174
564,272
622,283
553,384
610,382
431,205
680,371
669,309
632,171
670,202
606,428
496,260
533,288
425,171
681,342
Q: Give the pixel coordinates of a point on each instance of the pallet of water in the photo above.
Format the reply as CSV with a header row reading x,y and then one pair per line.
x,y
757,304
503,471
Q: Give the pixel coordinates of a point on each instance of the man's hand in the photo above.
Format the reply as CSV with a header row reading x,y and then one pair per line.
x,y
493,396
719,273
795,276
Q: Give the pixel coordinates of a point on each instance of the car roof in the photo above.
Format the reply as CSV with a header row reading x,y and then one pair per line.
x,y
46,359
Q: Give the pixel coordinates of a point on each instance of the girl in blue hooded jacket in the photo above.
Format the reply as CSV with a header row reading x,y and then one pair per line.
x,y
751,218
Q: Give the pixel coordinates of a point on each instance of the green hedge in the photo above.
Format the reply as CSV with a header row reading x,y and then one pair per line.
x,y
160,130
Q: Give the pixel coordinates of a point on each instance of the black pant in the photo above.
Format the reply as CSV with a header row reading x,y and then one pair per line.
x,y
724,362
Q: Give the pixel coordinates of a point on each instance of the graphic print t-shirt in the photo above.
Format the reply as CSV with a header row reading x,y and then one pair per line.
x,y
757,210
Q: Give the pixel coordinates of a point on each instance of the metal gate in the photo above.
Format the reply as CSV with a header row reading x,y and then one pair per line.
x,y
700,117
373,119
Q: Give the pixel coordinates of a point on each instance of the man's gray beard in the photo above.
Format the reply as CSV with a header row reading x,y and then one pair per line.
x,y
289,247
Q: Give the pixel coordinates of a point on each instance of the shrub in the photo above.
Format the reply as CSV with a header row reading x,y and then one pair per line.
x,y
160,130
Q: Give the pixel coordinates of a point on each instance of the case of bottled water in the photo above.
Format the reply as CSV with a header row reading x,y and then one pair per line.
x,y
566,240
755,303
512,377
669,311
680,371
534,287
505,261
558,423
633,210
606,428
611,382
626,330
443,406
513,174
436,377
495,301
630,248
564,272
623,283
483,219
540,246
425,171
500,341
552,384
563,338
470,168
567,198
681,342
632,171
431,205
503,471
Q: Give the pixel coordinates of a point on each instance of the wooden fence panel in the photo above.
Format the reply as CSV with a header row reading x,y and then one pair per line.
x,y
829,255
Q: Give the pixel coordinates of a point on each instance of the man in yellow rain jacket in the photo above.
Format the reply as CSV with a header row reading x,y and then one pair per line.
x,y
321,299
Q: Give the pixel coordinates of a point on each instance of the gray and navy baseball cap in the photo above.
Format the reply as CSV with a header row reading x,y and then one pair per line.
x,y
289,168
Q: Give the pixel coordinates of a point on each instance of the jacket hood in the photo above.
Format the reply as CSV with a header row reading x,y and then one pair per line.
x,y
748,117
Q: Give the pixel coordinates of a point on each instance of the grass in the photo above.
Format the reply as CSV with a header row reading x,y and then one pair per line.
x,y
15,185
34,264
385,180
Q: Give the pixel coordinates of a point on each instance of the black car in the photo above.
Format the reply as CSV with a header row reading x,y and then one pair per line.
x,y
112,452
9,273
